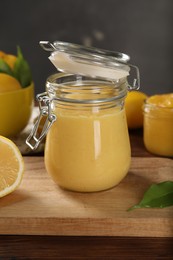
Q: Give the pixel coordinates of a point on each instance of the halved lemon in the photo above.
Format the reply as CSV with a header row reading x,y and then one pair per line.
x,y
11,166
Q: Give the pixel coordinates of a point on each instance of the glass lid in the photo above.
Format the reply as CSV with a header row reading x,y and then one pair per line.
x,y
89,61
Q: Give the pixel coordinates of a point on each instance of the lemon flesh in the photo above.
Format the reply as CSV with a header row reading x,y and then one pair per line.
x,y
11,166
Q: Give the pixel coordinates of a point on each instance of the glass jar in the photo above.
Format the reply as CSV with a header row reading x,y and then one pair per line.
x,y
87,145
158,124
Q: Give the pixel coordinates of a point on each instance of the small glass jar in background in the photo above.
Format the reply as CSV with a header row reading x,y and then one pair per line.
x,y
158,124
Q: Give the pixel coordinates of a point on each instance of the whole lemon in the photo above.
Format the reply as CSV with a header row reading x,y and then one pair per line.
x,y
8,58
133,106
8,83
2,54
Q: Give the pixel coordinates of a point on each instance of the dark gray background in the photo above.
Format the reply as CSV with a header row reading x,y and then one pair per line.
x,y
142,29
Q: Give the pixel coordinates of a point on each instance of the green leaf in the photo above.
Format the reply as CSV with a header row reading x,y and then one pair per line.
x,y
22,70
157,196
5,68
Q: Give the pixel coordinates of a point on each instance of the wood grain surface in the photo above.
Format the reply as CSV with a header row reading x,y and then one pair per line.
x,y
39,207
85,248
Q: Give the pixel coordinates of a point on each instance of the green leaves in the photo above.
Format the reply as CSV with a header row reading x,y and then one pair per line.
x,y
21,70
157,196
5,68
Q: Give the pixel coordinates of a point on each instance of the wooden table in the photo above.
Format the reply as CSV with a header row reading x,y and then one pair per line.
x,y
89,247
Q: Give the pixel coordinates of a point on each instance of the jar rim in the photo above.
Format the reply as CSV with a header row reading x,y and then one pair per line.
x,y
157,111
52,86
156,106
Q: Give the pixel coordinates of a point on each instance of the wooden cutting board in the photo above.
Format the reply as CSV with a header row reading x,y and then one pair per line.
x,y
40,207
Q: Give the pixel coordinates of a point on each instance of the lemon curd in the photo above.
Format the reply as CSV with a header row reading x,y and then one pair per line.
x,y
158,124
87,147
88,151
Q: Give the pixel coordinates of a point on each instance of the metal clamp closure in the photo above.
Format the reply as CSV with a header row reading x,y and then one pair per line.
x,y
136,80
35,138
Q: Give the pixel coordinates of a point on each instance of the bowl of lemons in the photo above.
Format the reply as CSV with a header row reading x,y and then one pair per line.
x,y
16,93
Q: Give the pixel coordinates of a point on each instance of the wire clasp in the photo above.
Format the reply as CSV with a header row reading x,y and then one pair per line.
x,y
35,138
